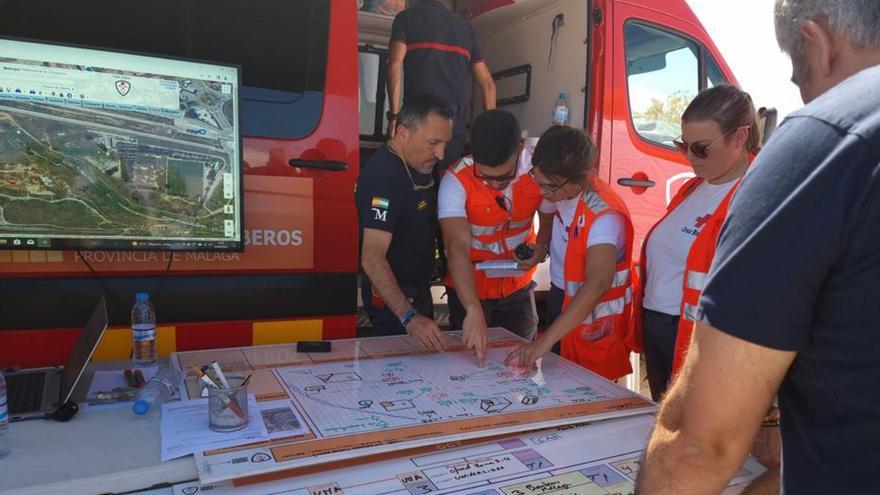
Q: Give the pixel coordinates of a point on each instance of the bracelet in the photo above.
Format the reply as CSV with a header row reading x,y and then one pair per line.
x,y
408,316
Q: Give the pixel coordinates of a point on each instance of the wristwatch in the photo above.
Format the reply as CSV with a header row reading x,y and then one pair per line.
x,y
390,116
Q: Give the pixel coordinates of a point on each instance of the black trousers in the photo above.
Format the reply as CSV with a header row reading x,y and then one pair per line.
x,y
660,331
515,312
555,298
384,321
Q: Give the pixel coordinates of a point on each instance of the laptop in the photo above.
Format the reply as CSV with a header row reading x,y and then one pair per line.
x,y
38,392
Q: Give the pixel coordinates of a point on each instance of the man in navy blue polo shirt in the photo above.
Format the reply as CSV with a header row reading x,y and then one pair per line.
x,y
435,52
397,218
791,303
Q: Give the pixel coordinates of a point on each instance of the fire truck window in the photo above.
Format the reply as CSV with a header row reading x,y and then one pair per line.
x,y
714,76
662,72
281,45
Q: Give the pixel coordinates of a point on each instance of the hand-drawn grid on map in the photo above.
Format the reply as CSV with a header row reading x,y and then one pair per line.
x,y
345,398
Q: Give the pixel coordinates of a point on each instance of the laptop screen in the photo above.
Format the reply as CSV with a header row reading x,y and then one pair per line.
x,y
85,347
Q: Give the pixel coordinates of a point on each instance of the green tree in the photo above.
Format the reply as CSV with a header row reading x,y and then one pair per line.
x,y
669,110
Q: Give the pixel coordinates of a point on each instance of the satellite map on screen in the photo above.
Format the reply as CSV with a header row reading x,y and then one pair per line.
x,y
92,152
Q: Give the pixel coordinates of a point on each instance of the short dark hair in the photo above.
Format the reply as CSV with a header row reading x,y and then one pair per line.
x,y
416,109
495,137
729,107
565,152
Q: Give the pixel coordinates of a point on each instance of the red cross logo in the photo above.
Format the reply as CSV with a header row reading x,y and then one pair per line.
x,y
702,220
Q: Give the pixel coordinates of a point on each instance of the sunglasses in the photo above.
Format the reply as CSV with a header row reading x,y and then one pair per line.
x,y
700,149
498,179
550,188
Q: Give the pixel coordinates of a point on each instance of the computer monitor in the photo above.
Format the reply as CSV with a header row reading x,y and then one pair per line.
x,y
111,150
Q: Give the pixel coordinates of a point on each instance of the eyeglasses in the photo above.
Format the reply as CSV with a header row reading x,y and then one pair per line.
x,y
550,188
498,179
700,149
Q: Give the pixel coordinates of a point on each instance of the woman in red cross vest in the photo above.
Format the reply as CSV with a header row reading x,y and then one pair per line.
x,y
719,137
595,246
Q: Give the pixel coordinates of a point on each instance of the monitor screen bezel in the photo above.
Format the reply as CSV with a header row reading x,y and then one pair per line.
x,y
87,244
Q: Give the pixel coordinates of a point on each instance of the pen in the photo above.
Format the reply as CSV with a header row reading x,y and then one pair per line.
x,y
204,377
246,380
227,401
206,369
216,367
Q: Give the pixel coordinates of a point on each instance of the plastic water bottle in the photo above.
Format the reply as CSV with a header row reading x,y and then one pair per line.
x,y
561,110
4,418
159,389
143,331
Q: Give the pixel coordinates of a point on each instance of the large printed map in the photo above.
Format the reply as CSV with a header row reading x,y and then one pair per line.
x,y
372,396
589,459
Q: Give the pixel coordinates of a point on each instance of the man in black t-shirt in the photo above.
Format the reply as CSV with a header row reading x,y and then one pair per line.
x,y
435,52
790,305
397,214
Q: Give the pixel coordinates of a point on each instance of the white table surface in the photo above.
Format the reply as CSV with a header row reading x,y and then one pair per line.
x,y
109,451
96,452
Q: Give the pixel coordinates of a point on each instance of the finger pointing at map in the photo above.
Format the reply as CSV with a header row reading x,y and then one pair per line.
x,y
473,335
525,356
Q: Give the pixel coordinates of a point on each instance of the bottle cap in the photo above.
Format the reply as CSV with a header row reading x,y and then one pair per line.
x,y
140,407
142,296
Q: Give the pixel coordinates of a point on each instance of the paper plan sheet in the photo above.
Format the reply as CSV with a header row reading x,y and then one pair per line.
x,y
596,459
184,429
372,396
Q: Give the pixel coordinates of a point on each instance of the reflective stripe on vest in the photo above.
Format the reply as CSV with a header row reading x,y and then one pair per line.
x,y
483,230
595,203
492,229
689,312
621,278
610,308
496,247
696,280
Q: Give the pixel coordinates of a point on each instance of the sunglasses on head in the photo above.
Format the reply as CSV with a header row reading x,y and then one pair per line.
x,y
700,149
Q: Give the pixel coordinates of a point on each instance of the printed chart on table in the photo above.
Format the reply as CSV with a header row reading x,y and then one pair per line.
x,y
601,458
372,396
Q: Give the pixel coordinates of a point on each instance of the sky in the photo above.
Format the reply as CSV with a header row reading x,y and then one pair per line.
x,y
743,32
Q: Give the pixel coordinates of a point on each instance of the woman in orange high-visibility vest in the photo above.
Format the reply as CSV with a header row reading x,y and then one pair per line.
x,y
595,247
719,137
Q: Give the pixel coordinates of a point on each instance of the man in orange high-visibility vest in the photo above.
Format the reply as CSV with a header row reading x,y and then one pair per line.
x,y
486,205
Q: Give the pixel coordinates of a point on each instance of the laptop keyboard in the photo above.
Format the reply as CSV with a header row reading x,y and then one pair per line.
x,y
25,392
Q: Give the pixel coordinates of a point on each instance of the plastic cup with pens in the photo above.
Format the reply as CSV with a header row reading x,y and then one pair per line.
x,y
227,398
228,406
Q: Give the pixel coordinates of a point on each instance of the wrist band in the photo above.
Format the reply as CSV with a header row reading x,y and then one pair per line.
x,y
408,316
